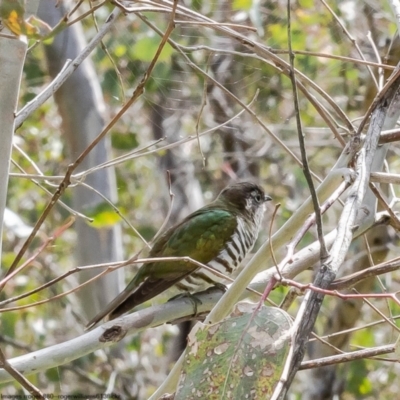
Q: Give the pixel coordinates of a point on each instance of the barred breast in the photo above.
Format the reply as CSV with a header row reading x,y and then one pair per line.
x,y
230,257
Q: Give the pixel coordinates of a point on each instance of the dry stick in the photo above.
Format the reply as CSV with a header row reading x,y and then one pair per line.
x,y
117,211
335,57
237,26
67,179
66,71
120,159
270,241
351,280
347,33
58,296
343,296
321,109
296,239
200,113
276,63
45,244
390,136
355,355
40,186
258,48
310,221
142,153
166,219
34,391
358,328
315,337
385,177
229,93
310,307
380,98
392,324
86,13
104,48
394,218
111,267
75,8
306,169
381,71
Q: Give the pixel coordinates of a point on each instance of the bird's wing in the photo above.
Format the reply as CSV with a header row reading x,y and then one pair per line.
x,y
200,236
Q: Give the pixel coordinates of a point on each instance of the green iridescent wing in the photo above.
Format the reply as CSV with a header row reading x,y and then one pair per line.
x,y
201,236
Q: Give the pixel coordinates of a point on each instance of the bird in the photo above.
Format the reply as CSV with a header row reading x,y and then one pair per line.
x,y
218,235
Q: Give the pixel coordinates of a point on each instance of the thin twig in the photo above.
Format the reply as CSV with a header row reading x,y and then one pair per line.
x,y
86,13
394,218
202,105
384,177
356,277
104,47
310,221
111,267
380,313
266,55
72,167
305,321
346,357
141,153
228,92
33,178
117,211
237,26
34,391
171,203
270,241
45,244
306,169
352,40
66,71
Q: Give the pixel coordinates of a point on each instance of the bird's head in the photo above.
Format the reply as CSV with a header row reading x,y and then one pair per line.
x,y
246,197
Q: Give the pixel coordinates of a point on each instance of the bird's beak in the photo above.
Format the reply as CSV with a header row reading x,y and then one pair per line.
x,y
267,198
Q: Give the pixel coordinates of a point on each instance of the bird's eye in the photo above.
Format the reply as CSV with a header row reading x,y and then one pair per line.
x,y
257,198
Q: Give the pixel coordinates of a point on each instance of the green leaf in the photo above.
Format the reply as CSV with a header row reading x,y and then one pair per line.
x,y
243,354
306,3
53,374
124,141
103,215
145,49
242,4
12,14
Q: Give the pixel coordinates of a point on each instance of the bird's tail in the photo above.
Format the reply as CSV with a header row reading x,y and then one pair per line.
x,y
110,310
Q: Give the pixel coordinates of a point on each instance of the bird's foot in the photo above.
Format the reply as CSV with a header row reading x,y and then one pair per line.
x,y
219,286
193,299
